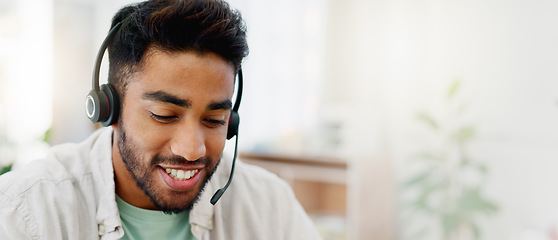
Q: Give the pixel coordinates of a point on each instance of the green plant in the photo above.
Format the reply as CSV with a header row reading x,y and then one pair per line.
x,y
5,169
448,188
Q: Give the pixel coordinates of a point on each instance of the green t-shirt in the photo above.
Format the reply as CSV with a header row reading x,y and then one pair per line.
x,y
140,223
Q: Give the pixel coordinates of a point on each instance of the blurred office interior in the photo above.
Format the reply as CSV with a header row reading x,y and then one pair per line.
x,y
391,119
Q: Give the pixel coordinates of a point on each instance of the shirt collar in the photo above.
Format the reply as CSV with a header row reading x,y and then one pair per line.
x,y
107,216
203,212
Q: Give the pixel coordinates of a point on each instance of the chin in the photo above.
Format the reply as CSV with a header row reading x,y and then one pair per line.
x,y
171,202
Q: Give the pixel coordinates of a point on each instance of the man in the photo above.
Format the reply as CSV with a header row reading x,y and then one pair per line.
x,y
151,175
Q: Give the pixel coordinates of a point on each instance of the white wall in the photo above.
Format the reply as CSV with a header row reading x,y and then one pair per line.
x,y
504,52
25,78
282,74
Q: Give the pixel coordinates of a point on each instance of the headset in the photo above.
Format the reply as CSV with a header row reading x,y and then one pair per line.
x,y
102,105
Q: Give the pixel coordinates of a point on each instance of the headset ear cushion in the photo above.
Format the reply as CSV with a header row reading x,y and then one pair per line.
x,y
234,121
113,104
96,106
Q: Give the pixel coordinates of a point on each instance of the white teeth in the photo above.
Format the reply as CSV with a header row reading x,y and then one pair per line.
x,y
180,174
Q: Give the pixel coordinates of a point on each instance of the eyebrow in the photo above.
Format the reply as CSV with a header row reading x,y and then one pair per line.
x,y
164,97
222,105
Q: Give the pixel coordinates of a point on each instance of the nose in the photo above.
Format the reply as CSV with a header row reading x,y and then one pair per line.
x,y
189,143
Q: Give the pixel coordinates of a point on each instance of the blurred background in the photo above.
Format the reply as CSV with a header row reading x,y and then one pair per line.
x,y
391,119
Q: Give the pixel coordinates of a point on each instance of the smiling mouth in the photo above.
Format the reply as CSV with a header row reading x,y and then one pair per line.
x,y
181,175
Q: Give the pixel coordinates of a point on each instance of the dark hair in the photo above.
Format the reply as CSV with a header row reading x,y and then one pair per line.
x,y
175,26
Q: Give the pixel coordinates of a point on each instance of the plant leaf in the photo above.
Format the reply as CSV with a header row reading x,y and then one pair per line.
x,y
465,134
450,222
473,201
422,205
47,136
417,179
465,162
453,88
482,169
427,120
5,169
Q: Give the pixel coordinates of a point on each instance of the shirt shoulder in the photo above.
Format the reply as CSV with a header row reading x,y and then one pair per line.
x,y
63,163
254,183
260,198
58,189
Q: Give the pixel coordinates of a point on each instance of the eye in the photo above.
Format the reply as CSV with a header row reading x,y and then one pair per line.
x,y
163,119
213,123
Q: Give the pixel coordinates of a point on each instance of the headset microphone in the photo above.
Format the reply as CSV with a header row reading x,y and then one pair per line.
x,y
234,121
222,190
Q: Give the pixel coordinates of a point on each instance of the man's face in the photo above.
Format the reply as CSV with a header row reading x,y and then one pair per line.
x,y
172,129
